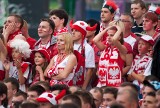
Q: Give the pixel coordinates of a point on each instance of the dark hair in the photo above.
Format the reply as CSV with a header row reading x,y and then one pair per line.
x,y
21,93
151,78
153,94
43,68
60,87
142,4
92,22
116,105
19,19
51,23
44,84
111,90
133,86
29,104
62,14
37,88
3,90
68,105
13,81
86,97
74,98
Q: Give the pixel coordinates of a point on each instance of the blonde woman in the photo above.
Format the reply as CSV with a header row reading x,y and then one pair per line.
x,y
62,66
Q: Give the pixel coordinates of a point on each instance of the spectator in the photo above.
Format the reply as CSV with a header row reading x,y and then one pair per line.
x,y
138,9
97,96
128,98
79,31
109,96
34,92
113,50
60,19
13,87
18,68
18,98
3,95
47,41
41,60
59,69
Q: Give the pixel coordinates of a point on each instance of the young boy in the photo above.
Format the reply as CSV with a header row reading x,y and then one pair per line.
x,y
142,62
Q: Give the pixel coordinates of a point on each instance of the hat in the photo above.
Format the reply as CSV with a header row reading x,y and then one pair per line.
x,y
147,39
109,4
153,84
155,9
22,46
82,27
44,52
47,97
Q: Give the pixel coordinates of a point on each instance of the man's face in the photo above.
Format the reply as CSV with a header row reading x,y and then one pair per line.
x,y
124,100
57,21
126,21
97,97
148,24
149,102
44,30
76,35
137,11
106,15
17,99
11,91
32,95
108,99
147,90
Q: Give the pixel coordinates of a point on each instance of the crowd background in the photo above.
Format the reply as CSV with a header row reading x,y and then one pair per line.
x,y
101,55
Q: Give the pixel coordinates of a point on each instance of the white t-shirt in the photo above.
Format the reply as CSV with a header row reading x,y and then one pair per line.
x,y
89,54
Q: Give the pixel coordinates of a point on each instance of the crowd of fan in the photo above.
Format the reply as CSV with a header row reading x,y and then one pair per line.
x,y
113,63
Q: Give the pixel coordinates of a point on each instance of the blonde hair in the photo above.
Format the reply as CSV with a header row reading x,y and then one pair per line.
x,y
68,42
121,25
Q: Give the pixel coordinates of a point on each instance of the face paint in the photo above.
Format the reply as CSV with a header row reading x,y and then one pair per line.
x,y
62,42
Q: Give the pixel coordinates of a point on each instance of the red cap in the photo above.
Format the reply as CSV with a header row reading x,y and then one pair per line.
x,y
44,52
110,5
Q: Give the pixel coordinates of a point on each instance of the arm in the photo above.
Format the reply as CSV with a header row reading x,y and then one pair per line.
x,y
89,74
7,31
139,77
39,69
49,66
117,43
3,50
128,61
68,69
97,40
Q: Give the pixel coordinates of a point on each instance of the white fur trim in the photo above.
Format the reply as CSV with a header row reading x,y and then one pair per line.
x,y
22,46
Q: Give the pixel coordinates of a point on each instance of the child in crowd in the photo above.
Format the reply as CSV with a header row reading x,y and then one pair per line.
x,y
141,65
18,68
113,55
41,60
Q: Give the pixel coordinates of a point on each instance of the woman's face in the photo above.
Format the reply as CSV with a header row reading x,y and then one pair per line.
x,y
60,42
110,35
38,59
16,55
